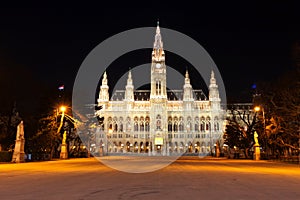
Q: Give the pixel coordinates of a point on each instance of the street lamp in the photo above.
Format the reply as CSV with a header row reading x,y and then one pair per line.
x,y
62,109
63,151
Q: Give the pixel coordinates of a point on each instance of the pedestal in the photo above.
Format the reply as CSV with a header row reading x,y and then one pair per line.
x,y
256,155
19,154
217,152
63,152
101,151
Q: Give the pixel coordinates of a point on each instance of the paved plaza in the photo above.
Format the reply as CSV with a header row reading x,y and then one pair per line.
x,y
187,178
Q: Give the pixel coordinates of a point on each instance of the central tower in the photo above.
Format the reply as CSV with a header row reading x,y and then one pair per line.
x,y
158,97
158,69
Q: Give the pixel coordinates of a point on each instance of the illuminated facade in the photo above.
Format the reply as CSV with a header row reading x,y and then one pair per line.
x,y
158,121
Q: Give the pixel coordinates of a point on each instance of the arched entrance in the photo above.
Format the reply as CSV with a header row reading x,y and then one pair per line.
x,y
147,147
197,147
190,147
135,147
142,147
128,146
170,147
176,147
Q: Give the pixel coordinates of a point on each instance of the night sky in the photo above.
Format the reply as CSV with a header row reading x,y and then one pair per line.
x,y
42,47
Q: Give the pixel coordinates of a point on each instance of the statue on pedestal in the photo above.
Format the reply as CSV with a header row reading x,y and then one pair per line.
x,y
256,139
64,150
256,155
19,154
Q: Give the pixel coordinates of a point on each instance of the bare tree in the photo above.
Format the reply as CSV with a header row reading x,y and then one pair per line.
x,y
240,129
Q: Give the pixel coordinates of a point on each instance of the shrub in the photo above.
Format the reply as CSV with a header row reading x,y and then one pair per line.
x,y
5,156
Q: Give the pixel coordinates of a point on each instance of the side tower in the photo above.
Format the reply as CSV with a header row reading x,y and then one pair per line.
x,y
129,93
104,94
216,114
158,97
214,97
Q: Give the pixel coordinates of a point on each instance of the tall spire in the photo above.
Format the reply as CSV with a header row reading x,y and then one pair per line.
x,y
158,44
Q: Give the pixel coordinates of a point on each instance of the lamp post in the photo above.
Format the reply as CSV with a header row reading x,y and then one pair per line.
x,y
62,109
64,150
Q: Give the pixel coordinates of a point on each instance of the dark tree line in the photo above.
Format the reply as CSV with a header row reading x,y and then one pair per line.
x,y
277,123
281,100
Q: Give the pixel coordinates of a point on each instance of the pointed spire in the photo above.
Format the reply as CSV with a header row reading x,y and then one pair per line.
x,y
129,79
187,74
103,95
212,78
157,28
104,79
158,44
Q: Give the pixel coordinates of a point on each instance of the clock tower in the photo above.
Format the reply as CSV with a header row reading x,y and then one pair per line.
x,y
158,96
158,69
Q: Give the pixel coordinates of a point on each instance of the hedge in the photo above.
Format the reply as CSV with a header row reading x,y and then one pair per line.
x,y
5,156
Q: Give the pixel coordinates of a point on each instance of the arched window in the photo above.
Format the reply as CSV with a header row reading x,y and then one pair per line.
x,y
128,127
196,124
115,127
109,124
110,127
147,124
120,124
170,126
121,128
136,126
207,128
216,124
147,127
141,126
175,126
181,126
202,125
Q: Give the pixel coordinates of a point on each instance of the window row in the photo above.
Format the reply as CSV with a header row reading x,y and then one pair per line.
x,y
147,118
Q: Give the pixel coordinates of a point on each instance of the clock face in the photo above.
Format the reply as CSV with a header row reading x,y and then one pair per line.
x,y
158,65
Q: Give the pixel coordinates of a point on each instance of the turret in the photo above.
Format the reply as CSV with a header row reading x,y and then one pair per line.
x,y
187,88
214,97
104,95
129,96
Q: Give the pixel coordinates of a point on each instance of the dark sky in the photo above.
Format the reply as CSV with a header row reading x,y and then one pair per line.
x,y
42,47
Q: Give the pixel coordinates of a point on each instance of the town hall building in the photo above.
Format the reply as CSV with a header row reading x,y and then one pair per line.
x,y
160,121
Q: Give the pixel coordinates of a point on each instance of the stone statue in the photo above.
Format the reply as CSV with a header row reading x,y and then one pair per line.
x,y
63,150
64,138
256,138
20,131
256,155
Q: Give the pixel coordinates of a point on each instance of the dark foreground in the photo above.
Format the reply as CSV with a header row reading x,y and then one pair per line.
x,y
187,178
